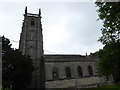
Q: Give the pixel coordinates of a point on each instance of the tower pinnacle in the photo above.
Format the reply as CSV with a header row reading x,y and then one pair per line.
x,y
26,10
39,12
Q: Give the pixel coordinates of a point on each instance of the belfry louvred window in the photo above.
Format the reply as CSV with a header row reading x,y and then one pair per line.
x,y
32,22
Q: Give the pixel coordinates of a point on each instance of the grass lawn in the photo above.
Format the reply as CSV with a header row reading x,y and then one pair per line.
x,y
112,87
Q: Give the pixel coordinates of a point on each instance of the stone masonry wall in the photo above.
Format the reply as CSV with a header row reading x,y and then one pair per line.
x,y
73,66
76,83
73,61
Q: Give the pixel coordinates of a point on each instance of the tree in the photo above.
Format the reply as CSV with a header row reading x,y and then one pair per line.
x,y
109,13
16,68
109,63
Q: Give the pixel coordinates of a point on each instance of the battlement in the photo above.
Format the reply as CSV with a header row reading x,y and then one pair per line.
x,y
32,15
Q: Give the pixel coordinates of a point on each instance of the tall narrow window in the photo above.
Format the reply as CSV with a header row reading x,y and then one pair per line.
x,y
80,73
68,72
32,22
55,73
31,35
90,70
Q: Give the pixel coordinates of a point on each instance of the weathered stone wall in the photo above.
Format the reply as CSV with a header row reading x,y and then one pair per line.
x,y
76,83
73,66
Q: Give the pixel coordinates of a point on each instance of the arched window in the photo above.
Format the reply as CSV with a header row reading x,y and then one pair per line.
x,y
32,22
55,73
90,70
80,73
68,72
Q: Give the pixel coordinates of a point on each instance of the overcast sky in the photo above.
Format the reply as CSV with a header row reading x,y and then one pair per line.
x,y
68,28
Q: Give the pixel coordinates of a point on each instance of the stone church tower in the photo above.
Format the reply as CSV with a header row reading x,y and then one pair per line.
x,y
31,44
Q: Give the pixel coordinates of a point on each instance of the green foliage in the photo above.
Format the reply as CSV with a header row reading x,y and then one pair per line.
x,y
94,54
109,13
16,68
112,86
110,60
8,88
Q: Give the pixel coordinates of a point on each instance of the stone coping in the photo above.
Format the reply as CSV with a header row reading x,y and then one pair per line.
x,y
68,58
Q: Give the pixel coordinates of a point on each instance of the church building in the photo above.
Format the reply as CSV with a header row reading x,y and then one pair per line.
x,y
57,70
